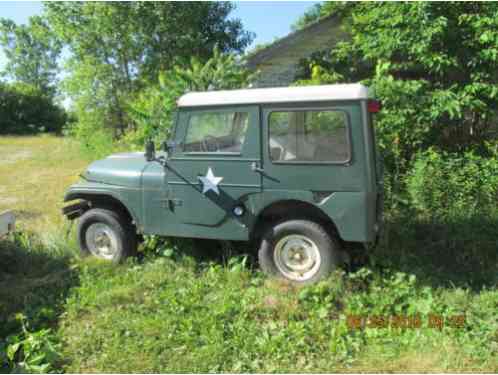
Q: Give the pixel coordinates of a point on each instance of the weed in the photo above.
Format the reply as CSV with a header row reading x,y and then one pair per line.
x,y
30,352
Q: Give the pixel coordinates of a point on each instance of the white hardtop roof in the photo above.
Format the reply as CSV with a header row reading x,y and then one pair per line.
x,y
275,95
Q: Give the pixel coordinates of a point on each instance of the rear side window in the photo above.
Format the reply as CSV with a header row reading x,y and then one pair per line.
x,y
313,136
216,132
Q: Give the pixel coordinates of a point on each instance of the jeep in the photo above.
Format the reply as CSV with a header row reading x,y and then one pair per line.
x,y
292,171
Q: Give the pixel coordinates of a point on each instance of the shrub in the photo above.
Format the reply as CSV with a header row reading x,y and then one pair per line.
x,y
95,142
446,185
25,109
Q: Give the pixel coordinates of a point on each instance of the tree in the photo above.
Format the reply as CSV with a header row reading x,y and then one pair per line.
x,y
31,51
433,65
176,31
104,57
25,109
143,38
118,48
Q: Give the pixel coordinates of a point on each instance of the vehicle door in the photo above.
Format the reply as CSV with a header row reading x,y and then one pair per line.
x,y
209,173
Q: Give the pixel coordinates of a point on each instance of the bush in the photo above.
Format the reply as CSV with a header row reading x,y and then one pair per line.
x,y
25,109
95,142
447,185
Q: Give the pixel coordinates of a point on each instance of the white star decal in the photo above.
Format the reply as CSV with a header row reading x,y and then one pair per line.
x,y
210,182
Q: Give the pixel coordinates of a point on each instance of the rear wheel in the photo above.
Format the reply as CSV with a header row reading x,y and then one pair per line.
x,y
105,234
300,251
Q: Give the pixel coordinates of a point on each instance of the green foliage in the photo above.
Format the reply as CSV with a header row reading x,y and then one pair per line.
x,y
212,317
447,185
143,39
191,30
30,352
25,109
153,110
31,51
93,110
117,49
323,9
34,279
432,65
95,142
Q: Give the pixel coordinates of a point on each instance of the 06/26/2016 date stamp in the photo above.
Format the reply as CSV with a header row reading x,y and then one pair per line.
x,y
405,321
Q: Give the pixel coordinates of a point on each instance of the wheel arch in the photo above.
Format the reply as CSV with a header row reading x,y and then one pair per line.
x,y
291,209
97,199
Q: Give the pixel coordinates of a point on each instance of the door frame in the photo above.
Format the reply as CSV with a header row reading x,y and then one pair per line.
x,y
186,166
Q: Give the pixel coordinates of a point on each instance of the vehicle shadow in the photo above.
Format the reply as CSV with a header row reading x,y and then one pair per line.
x,y
207,251
34,283
458,253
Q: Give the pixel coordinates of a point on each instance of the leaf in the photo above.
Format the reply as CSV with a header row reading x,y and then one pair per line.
x,y
36,360
12,350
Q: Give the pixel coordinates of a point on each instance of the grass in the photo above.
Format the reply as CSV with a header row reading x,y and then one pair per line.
x,y
34,173
172,312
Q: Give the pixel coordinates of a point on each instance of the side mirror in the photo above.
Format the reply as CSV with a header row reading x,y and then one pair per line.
x,y
150,151
164,146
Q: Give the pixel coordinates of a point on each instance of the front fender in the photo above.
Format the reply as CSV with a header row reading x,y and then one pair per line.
x,y
129,197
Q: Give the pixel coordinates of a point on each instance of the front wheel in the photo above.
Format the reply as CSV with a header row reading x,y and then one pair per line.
x,y
106,235
300,251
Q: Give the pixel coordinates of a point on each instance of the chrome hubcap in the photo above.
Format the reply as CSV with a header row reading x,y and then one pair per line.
x,y
101,241
297,257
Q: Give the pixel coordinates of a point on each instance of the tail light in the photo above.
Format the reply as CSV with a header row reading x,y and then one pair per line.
x,y
374,106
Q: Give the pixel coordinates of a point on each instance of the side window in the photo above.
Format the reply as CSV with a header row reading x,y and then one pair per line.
x,y
216,132
314,135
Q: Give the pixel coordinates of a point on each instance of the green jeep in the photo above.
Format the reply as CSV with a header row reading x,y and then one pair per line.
x,y
292,171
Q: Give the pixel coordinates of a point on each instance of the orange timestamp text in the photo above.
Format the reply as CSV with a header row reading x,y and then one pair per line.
x,y
405,321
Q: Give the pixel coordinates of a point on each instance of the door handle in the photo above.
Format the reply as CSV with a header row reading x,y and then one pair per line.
x,y
255,168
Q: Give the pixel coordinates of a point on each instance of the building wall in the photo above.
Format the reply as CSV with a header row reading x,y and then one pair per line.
x,y
277,63
276,75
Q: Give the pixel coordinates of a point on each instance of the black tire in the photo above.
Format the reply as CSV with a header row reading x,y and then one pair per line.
x,y
328,248
125,234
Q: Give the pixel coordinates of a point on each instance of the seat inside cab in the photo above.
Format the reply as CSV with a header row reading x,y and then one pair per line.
x,y
308,136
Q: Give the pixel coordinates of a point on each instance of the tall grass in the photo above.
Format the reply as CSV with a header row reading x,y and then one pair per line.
x,y
174,314
425,302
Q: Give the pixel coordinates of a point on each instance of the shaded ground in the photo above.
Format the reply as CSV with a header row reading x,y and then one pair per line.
x,y
32,277
34,283
457,254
